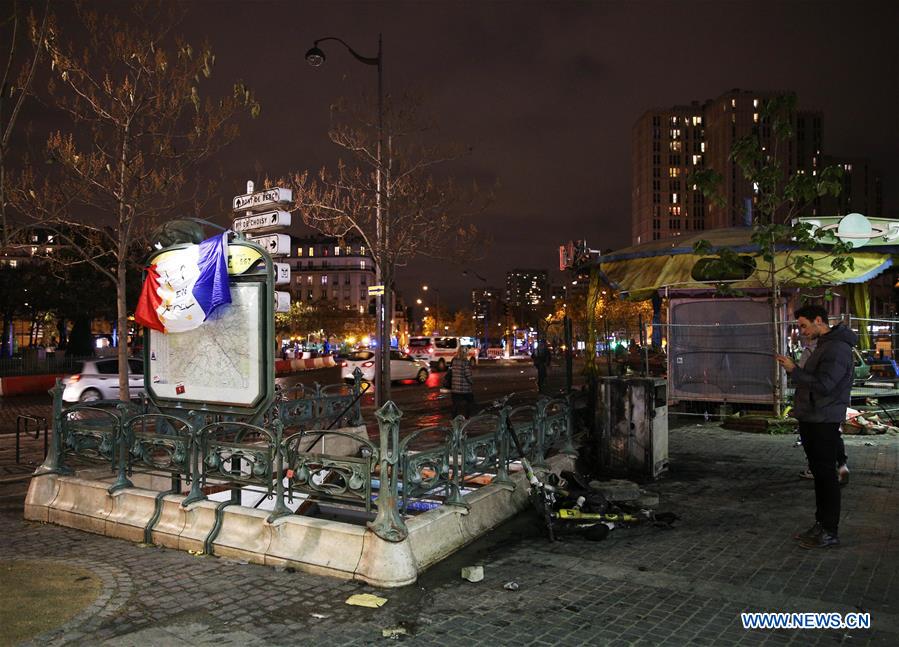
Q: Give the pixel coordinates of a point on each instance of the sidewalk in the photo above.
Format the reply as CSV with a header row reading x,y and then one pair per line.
x,y
739,500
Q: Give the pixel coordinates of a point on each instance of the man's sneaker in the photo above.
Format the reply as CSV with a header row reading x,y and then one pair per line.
x,y
843,474
811,533
824,539
806,474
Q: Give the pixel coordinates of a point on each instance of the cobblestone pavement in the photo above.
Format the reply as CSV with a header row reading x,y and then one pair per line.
x,y
739,500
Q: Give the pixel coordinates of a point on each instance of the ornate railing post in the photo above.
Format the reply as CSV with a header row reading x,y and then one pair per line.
x,y
502,447
457,453
389,524
568,445
357,387
281,508
540,423
123,451
195,448
53,463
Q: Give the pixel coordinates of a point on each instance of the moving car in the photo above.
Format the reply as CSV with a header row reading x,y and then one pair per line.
x,y
402,366
98,379
437,351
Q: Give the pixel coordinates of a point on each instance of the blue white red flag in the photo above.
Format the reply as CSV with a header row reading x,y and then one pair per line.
x,y
185,286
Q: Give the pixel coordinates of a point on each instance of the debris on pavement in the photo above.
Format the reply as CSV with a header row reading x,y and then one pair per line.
x,y
394,632
319,616
511,586
473,573
366,600
617,489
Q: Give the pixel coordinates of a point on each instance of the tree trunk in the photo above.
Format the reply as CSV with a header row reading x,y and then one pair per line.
x,y
6,346
122,325
63,342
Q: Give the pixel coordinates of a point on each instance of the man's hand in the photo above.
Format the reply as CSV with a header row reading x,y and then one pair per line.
x,y
786,362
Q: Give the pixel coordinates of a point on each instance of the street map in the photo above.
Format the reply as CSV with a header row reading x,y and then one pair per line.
x,y
219,362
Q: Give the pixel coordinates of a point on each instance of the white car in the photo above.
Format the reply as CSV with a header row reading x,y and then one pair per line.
x,y
402,367
98,379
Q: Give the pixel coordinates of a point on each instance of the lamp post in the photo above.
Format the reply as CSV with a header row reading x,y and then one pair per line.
x,y
315,57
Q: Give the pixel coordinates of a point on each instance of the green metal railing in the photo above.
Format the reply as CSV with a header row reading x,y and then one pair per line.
x,y
427,467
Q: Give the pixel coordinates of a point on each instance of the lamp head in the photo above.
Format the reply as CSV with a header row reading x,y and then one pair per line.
x,y
315,57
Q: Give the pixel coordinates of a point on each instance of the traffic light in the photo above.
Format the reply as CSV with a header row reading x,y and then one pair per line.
x,y
372,307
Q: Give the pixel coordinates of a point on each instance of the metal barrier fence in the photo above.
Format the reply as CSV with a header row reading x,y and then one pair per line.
x,y
33,363
428,467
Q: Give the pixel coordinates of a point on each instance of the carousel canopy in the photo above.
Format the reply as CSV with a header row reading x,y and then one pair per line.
x,y
672,263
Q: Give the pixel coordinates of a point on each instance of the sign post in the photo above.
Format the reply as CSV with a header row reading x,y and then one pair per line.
x,y
263,218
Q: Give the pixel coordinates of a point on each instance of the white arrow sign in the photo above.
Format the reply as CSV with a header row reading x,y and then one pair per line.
x,y
274,244
282,273
282,301
263,200
263,222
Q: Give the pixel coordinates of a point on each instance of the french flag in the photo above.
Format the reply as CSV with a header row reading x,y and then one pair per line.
x,y
185,286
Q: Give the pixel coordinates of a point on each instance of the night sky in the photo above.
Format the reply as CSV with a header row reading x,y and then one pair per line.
x,y
547,92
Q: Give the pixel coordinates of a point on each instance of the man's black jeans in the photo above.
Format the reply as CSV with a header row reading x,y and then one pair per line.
x,y
821,441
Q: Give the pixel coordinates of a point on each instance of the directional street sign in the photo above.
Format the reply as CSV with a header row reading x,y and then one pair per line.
x,y
282,301
263,222
274,244
263,200
282,274
375,290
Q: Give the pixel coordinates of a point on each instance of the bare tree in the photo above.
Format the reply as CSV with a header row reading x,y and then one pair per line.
x,y
139,125
15,87
422,213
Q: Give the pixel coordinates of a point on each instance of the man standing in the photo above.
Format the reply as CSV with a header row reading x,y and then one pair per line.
x,y
822,392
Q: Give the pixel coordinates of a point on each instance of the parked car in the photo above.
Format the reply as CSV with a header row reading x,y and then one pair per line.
x,y
98,379
402,366
437,351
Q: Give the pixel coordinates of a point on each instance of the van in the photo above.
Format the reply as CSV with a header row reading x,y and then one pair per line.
x,y
438,351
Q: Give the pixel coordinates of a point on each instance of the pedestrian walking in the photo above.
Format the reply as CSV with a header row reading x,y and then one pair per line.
x,y
820,400
461,384
541,359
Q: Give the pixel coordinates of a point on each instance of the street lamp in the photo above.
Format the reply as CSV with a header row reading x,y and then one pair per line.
x,y
316,57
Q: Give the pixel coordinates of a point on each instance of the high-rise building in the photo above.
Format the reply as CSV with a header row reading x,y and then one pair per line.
x,y
862,190
527,293
489,312
322,268
671,143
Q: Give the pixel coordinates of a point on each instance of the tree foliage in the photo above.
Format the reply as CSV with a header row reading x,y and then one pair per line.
x,y
138,125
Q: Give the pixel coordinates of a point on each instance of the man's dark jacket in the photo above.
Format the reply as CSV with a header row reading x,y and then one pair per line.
x,y
824,383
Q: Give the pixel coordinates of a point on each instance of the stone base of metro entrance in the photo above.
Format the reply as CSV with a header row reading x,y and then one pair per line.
x,y
309,544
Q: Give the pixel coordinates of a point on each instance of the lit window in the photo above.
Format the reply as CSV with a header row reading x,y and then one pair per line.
x,y
50,249
324,279
336,250
755,103
311,251
362,250
33,251
13,263
673,171
309,280
299,251
755,117
733,103
697,159
673,198
362,264
702,147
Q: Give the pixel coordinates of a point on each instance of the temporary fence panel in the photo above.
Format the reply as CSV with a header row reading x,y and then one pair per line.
x,y
721,350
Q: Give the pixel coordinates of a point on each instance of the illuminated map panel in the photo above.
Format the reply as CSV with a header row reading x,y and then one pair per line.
x,y
219,363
